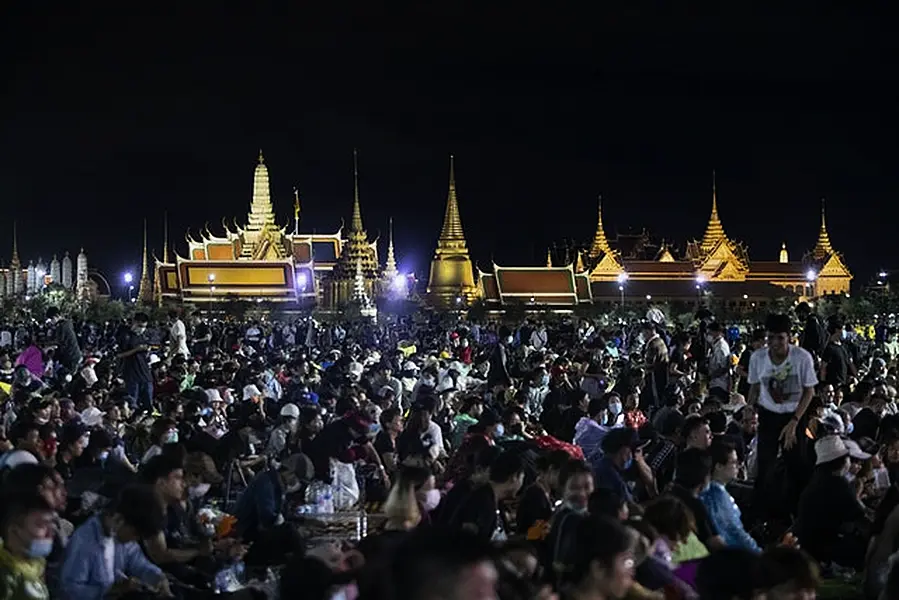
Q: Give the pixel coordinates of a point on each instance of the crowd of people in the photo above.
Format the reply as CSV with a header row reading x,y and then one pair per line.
x,y
545,458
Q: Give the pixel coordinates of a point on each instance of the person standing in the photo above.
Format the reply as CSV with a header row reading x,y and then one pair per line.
x,y
177,336
134,354
782,382
68,352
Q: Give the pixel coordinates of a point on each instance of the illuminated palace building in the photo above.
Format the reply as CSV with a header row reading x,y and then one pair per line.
x,y
632,269
263,261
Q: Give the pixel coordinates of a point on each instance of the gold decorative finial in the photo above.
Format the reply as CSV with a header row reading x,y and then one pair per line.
x,y
549,257
356,222
145,289
714,231
452,223
296,211
823,248
600,243
261,158
165,237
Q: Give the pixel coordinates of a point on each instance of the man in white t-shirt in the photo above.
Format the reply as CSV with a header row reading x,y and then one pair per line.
x,y
782,382
178,336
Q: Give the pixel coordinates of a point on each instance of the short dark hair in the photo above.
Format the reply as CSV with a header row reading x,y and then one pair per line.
x,y
159,467
140,317
52,312
389,415
506,466
778,323
140,508
691,424
19,504
27,478
573,468
20,430
720,451
694,466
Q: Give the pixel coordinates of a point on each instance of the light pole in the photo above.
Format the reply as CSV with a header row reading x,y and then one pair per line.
x,y
211,278
810,278
622,279
700,280
128,277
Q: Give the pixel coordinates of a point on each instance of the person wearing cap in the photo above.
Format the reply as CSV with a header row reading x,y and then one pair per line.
x,y
829,507
782,383
279,440
618,447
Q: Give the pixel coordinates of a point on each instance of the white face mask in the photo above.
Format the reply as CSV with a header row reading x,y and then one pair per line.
x,y
431,500
509,339
198,491
615,408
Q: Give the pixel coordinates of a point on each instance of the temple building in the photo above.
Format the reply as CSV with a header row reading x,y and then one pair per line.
x,y
263,261
451,281
634,270
34,278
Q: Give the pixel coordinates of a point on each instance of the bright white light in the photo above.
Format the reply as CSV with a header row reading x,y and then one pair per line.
x,y
302,280
211,277
882,274
39,272
212,288
399,282
700,279
811,275
648,297
130,288
621,288
622,277
458,299
128,277
533,300
745,296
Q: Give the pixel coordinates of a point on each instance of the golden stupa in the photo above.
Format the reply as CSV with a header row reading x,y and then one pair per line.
x,y
452,274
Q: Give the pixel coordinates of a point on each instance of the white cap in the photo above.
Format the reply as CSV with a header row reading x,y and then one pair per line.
x,y
92,416
855,451
410,366
251,391
154,359
829,448
290,410
213,395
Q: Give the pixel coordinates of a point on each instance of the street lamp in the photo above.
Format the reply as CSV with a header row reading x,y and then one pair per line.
x,y
622,279
211,279
810,277
700,280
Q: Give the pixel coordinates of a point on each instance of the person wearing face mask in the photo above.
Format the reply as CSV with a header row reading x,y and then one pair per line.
x,y
259,507
821,526
27,540
134,350
279,441
618,447
576,485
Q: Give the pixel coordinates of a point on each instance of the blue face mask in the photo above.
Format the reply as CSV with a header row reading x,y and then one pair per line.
x,y
206,411
40,548
500,430
103,456
544,381
628,463
850,427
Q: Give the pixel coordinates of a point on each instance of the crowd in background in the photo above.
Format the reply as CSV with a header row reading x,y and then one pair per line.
x,y
516,460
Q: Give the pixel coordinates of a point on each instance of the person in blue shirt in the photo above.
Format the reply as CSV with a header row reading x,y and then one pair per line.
x,y
722,509
103,557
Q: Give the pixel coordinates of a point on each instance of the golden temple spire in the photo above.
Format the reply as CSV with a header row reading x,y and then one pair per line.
x,y
823,249
15,246
600,243
784,255
390,270
356,222
549,257
714,231
145,289
452,223
296,211
579,263
165,237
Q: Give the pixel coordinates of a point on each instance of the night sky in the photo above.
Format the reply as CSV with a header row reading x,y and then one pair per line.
x,y
107,119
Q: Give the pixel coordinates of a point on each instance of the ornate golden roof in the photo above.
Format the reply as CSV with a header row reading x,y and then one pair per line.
x,y
714,231
600,243
823,249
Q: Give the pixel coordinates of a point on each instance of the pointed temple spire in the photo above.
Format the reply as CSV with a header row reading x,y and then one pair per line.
x,y
165,237
714,231
452,274
600,243
452,223
15,245
390,270
145,289
823,249
356,221
784,255
579,263
296,211
549,258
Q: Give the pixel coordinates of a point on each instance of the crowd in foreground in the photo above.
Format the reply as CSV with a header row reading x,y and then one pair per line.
x,y
518,461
